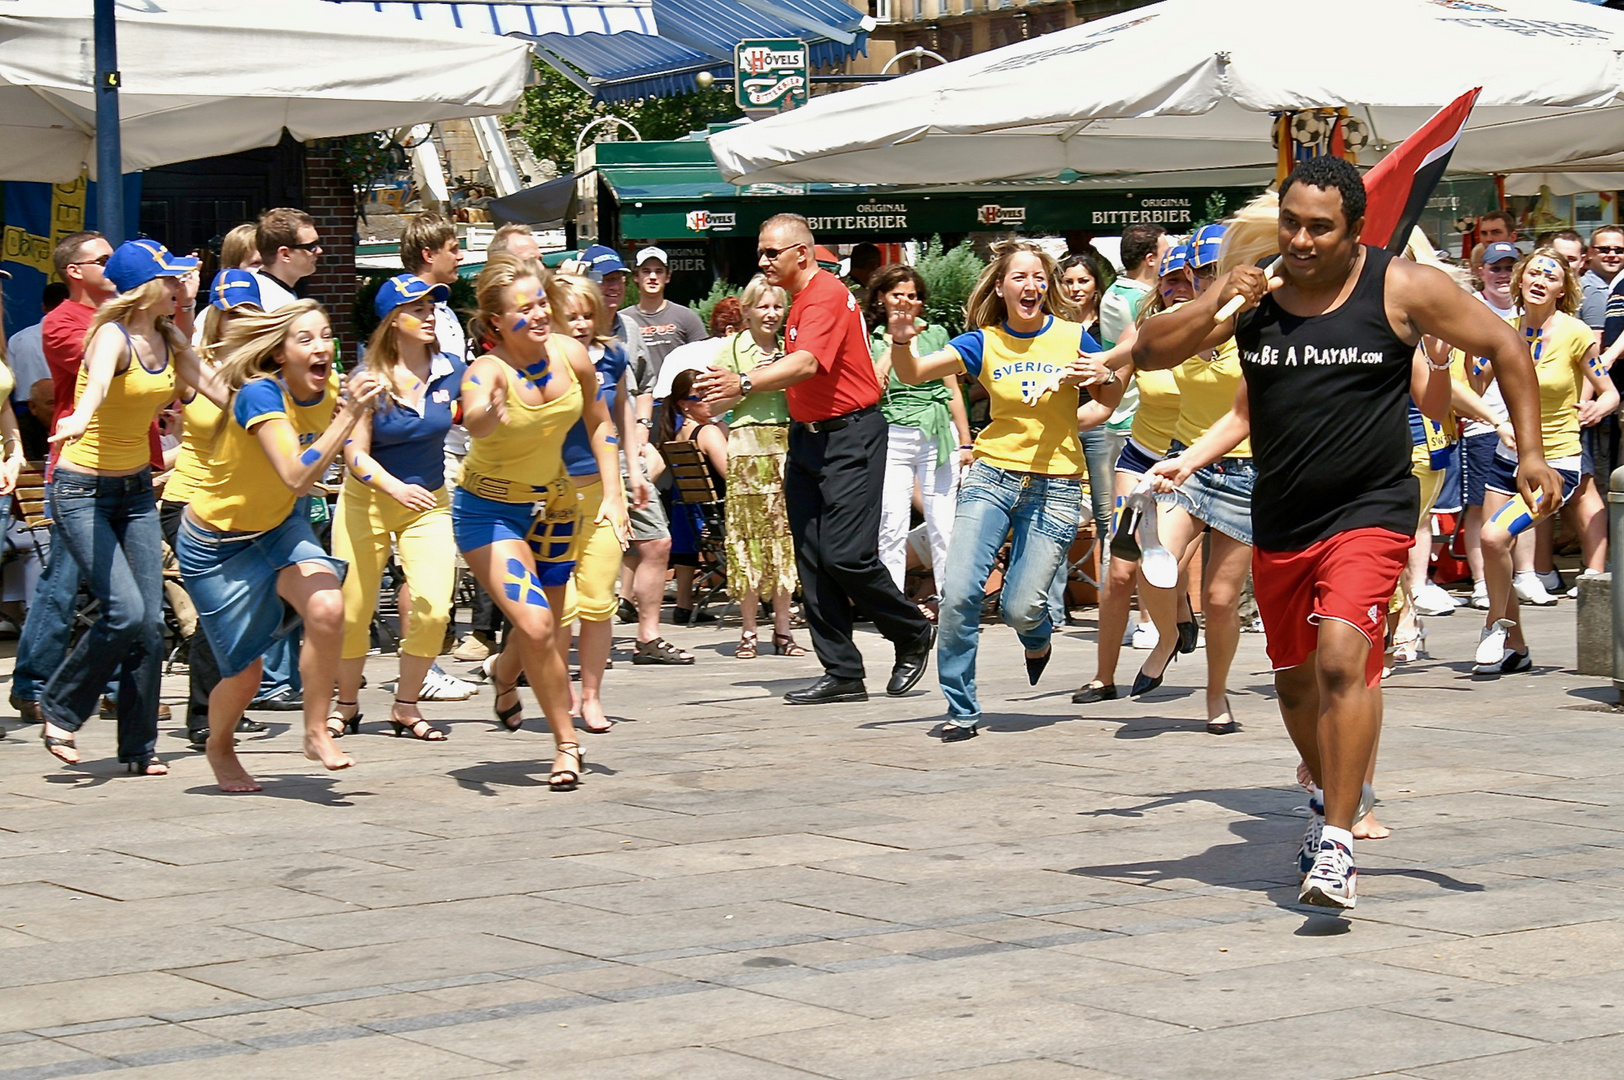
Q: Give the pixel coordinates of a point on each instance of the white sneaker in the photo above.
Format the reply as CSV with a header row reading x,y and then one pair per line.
x,y
1145,636
1491,647
1552,580
438,686
1480,596
1331,882
1530,590
1311,841
1573,593
1432,600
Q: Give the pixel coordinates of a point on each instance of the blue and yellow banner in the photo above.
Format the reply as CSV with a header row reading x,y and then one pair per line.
x,y
36,216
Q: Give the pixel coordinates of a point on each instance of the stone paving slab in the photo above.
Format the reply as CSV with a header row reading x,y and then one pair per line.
x,y
746,890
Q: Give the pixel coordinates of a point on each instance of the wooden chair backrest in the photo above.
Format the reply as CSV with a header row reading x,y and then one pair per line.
x,y
30,495
690,472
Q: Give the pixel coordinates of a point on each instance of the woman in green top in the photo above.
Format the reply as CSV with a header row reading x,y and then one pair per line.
x,y
927,422
760,552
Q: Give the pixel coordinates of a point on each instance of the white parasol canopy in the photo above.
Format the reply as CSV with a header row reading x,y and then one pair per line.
x,y
1189,85
207,77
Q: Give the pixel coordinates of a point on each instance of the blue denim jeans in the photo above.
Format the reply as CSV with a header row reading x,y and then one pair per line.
x,y
49,626
109,524
1042,512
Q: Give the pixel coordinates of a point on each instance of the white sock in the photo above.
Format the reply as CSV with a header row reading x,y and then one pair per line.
x,y
1525,575
1316,800
1340,836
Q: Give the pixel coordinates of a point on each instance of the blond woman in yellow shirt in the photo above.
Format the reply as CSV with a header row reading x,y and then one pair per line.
x,y
103,506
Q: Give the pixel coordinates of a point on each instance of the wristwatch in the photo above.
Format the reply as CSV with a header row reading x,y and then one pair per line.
x,y
745,385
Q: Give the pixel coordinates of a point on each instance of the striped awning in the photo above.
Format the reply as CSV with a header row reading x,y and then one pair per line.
x,y
623,49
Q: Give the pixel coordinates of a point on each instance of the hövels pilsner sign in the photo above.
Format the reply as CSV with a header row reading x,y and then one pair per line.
x,y
770,73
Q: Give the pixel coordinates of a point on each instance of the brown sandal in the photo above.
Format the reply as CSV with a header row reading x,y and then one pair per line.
x,y
748,644
784,645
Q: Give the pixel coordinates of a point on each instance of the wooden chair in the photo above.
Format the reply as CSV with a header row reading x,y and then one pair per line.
x,y
695,484
29,499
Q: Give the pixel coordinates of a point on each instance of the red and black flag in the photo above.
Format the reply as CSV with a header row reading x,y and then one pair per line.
x,y
1398,188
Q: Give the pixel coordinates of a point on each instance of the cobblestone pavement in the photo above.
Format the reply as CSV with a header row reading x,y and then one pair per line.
x,y
744,890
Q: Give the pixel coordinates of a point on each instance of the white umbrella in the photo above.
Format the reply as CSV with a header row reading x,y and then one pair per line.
x,y
208,77
1189,85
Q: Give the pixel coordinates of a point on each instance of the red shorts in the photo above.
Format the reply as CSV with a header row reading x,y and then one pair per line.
x,y
1348,577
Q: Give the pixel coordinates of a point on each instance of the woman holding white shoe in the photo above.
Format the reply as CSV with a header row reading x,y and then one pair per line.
x,y
1564,352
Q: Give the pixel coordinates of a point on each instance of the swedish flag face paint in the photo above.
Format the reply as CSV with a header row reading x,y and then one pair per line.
x,y
1515,517
1596,367
520,584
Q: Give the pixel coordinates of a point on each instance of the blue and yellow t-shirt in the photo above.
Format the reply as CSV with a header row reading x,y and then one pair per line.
x,y
243,491
1039,438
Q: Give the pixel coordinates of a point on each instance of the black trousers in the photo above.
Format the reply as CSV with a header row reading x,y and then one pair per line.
x,y
203,671
833,484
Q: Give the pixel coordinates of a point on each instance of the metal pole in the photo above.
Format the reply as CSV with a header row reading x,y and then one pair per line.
x,y
109,148
1615,559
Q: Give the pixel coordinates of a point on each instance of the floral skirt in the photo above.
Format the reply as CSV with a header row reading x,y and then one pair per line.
x,y
760,552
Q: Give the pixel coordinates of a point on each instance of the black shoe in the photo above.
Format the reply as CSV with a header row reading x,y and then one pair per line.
x,y
1089,693
27,711
1189,636
954,733
1036,664
828,690
284,700
1144,684
198,740
626,613
683,616
911,664
250,726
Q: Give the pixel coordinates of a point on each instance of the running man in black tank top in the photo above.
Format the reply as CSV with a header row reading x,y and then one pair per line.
x,y
1328,351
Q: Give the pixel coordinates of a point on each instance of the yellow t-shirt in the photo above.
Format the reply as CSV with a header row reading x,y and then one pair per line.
x,y
1039,438
1158,412
200,422
242,491
1206,393
116,439
522,457
1559,365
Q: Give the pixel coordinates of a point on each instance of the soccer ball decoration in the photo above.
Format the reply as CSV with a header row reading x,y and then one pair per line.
x,y
1355,135
1308,128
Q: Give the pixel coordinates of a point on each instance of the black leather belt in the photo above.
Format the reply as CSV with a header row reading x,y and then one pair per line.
x,y
835,423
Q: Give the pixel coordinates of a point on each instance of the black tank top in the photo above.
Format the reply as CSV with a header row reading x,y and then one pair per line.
x,y
1330,428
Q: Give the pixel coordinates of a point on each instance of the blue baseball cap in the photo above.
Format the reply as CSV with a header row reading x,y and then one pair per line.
x,y
234,288
137,262
601,261
1499,250
1176,259
403,289
1207,242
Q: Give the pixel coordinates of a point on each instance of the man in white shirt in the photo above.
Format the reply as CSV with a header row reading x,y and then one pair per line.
x,y
429,249
25,352
288,248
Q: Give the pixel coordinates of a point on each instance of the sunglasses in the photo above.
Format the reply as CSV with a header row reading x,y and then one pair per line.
x,y
314,245
771,254
87,262
1608,250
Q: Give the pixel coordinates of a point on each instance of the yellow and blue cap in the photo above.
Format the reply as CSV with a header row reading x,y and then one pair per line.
x,y
233,289
137,262
403,289
1176,259
1207,242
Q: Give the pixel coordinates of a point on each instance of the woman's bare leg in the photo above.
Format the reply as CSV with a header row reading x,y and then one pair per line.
x,y
227,702
314,592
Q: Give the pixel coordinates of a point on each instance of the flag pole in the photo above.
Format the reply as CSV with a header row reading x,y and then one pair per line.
x,y
109,148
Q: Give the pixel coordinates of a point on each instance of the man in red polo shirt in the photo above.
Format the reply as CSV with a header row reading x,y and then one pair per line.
x,y
836,468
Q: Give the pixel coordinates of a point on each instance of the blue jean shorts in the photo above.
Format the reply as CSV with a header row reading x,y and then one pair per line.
x,y
547,525
1503,477
1219,494
231,578
1135,459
